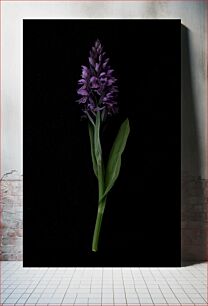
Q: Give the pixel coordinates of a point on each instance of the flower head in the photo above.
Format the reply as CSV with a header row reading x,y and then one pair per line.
x,y
97,86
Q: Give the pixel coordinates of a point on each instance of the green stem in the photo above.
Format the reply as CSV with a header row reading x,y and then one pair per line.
x,y
100,177
100,180
101,208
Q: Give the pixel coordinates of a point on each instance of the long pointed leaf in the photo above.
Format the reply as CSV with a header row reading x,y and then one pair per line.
x,y
91,134
97,145
114,162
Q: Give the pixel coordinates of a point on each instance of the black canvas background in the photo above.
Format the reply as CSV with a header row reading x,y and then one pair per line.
x,y
141,225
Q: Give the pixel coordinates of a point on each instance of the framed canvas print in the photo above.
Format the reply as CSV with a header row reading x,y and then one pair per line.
x,y
102,143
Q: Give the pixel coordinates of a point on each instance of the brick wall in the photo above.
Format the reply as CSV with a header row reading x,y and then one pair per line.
x,y
11,217
194,222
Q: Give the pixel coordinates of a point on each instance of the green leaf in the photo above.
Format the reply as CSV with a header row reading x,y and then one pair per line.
x,y
97,145
91,134
114,161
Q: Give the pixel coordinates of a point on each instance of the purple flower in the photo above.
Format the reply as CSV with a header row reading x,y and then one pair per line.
x,y
97,86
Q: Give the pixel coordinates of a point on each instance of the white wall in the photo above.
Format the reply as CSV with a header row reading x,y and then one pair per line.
x,y
192,14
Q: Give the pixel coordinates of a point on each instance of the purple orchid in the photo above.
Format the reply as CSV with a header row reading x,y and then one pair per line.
x,y
98,87
98,92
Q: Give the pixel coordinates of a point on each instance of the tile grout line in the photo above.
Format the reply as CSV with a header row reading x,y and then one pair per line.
x,y
135,286
158,271
68,285
196,288
169,288
146,286
183,288
36,285
123,284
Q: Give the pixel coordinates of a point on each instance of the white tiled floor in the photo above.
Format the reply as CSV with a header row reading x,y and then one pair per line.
x,y
103,286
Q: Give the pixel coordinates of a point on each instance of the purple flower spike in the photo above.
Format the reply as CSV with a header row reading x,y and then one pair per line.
x,y
97,86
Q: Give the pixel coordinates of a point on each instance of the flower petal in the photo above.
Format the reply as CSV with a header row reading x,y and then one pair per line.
x,y
83,92
82,81
82,100
102,74
97,66
105,63
110,82
94,82
91,61
85,72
